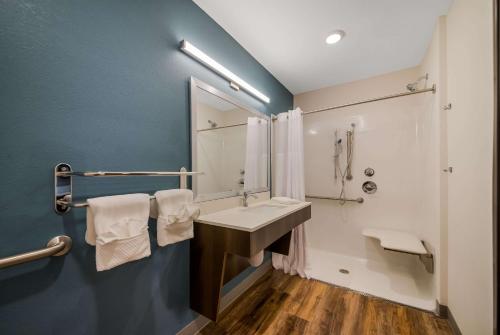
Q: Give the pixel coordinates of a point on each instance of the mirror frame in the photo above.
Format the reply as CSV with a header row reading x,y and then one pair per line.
x,y
198,84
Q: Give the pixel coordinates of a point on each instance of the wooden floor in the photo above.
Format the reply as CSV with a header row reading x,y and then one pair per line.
x,y
282,304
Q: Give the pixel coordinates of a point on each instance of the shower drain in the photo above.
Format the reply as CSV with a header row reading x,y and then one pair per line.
x,y
344,271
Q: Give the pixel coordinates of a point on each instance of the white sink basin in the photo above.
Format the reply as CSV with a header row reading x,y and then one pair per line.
x,y
253,217
263,209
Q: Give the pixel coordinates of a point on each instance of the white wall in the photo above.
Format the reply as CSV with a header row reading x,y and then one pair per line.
x,y
394,137
433,146
470,141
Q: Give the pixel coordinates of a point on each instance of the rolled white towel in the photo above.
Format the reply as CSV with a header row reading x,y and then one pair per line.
x,y
176,212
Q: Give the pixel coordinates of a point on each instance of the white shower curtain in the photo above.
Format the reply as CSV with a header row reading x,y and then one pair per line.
x,y
289,182
256,160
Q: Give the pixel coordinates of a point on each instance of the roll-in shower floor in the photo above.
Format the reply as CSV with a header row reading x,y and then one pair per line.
x,y
400,284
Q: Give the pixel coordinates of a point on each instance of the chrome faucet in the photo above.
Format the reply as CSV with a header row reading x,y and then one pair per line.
x,y
245,195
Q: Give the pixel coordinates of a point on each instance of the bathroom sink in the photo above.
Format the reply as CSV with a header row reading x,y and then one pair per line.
x,y
225,243
253,217
263,209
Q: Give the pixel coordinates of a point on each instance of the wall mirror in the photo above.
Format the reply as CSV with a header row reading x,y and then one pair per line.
x,y
230,143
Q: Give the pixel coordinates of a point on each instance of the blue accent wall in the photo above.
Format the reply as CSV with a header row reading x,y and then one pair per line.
x,y
102,85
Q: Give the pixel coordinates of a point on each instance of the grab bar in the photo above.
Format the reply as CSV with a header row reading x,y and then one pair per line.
x,y
358,200
63,182
57,246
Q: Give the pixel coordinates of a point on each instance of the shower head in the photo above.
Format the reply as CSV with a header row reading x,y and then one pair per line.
x,y
412,87
213,124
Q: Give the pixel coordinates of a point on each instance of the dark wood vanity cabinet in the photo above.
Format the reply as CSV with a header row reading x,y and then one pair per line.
x,y
218,254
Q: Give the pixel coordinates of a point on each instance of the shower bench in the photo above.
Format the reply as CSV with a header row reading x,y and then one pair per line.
x,y
404,242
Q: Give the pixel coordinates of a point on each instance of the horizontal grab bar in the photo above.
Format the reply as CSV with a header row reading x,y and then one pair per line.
x,y
358,200
58,246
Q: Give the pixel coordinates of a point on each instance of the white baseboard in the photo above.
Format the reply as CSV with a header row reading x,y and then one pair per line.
x,y
200,322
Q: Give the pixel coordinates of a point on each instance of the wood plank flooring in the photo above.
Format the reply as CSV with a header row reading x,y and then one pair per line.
x,y
282,304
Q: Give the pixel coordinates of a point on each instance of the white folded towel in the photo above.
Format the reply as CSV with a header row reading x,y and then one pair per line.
x,y
118,227
175,212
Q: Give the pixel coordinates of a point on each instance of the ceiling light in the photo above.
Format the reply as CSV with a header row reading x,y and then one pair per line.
x,y
215,66
335,37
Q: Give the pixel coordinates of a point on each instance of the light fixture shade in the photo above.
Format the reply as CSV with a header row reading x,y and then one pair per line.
x,y
203,58
335,37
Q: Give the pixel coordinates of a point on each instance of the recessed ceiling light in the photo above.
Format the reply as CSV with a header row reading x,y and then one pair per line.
x,y
335,37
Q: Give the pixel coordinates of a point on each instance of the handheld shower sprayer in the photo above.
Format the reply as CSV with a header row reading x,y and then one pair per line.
x,y
337,150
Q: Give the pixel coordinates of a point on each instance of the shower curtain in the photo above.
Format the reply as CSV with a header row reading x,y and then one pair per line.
x,y
289,182
256,160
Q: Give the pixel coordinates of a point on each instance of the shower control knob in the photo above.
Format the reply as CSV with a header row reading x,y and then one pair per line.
x,y
369,172
369,187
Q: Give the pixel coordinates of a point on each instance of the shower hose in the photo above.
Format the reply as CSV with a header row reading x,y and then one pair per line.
x,y
347,172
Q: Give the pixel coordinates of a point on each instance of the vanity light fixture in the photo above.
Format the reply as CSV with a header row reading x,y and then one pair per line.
x,y
234,80
335,37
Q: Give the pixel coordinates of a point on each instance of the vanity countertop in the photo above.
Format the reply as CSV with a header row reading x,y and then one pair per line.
x,y
253,217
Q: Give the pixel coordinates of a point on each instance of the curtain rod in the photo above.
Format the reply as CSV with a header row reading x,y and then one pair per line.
x,y
392,96
228,126
222,127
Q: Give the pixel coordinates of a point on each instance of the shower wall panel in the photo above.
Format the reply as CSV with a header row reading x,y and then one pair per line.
x,y
393,137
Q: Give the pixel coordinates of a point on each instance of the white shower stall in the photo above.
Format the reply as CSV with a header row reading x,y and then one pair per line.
x,y
399,140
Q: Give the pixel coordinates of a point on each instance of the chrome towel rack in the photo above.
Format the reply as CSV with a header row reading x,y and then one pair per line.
x,y
359,200
124,173
63,181
57,246
67,202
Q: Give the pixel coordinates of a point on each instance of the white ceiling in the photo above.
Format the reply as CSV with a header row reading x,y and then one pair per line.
x,y
288,36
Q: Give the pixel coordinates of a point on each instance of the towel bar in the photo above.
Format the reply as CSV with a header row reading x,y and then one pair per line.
x,y
124,173
63,181
57,246
66,201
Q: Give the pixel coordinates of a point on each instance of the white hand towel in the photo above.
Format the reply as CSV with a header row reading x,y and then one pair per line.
x,y
118,227
176,213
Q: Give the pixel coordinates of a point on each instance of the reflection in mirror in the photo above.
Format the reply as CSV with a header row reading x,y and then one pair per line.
x,y
230,144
